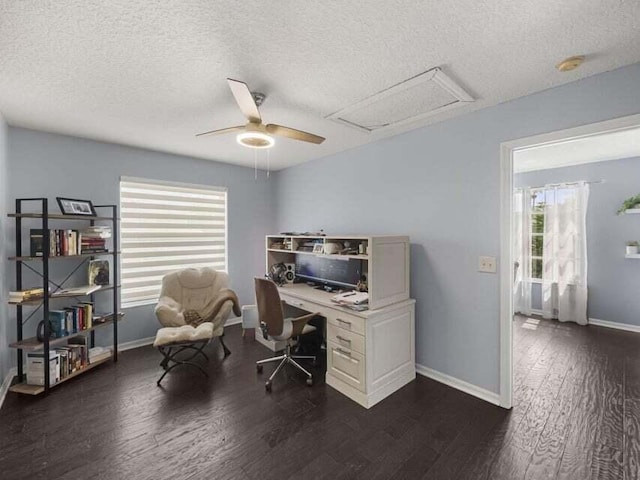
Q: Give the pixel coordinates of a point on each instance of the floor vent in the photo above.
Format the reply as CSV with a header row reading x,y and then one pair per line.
x,y
424,95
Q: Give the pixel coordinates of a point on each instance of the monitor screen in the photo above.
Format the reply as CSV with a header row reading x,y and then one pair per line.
x,y
334,271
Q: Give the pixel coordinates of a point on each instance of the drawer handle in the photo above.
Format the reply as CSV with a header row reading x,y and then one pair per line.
x,y
343,321
342,339
344,352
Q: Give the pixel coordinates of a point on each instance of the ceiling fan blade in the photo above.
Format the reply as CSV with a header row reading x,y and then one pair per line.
x,y
221,131
294,134
245,100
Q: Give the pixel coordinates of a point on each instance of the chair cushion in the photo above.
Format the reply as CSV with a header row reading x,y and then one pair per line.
x,y
287,329
184,334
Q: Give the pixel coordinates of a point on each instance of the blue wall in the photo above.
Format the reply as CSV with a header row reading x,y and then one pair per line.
x,y
42,164
613,280
440,185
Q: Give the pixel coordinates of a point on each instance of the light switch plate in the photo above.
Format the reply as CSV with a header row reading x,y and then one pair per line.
x,y
487,264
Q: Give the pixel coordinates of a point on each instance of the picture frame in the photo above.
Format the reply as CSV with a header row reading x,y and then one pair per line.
x,y
74,206
318,248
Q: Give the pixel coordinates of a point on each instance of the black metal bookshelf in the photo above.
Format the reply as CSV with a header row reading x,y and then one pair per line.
x,y
29,344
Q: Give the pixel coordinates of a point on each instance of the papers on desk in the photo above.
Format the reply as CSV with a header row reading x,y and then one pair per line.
x,y
354,300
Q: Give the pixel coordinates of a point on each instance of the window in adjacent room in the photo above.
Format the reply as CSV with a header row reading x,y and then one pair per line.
x,y
537,232
166,227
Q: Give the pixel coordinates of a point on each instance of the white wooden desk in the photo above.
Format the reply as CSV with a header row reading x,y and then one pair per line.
x,y
370,354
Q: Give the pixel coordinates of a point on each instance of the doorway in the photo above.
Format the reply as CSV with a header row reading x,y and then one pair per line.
x,y
509,153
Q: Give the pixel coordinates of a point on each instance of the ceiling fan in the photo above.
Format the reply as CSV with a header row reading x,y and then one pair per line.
x,y
255,134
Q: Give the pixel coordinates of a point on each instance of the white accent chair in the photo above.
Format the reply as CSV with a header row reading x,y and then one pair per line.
x,y
190,298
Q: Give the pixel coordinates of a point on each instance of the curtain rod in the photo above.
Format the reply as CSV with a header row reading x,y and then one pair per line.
x,y
563,183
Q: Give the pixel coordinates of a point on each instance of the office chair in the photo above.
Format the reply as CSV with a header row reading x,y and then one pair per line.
x,y
276,327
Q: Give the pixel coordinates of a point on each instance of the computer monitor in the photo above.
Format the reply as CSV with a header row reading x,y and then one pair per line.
x,y
341,272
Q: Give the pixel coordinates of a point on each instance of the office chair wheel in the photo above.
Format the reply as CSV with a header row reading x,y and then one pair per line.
x,y
267,386
259,368
310,381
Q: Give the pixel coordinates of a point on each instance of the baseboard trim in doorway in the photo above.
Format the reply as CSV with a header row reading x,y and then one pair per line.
x,y
458,384
618,326
4,389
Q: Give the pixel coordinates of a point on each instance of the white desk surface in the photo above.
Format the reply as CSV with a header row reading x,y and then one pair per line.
x,y
321,297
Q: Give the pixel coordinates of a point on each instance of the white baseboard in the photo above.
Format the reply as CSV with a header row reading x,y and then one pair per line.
x,y
458,384
233,321
141,342
618,326
7,383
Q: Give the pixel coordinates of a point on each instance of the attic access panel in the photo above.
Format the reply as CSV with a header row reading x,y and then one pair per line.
x,y
427,94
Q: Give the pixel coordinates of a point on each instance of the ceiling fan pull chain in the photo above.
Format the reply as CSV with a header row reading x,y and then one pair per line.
x,y
268,167
255,164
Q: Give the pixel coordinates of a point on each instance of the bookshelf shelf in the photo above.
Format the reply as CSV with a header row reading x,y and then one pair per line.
x,y
32,343
54,296
43,222
336,255
27,389
56,257
54,216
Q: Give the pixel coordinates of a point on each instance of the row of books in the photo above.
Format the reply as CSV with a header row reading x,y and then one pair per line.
x,y
93,239
20,296
71,320
64,361
70,242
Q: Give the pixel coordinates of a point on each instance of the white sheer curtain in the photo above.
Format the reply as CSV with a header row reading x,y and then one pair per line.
x,y
564,257
522,250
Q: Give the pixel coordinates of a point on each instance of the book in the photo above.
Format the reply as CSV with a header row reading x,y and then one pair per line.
x,y
99,272
58,321
36,238
36,365
72,291
97,354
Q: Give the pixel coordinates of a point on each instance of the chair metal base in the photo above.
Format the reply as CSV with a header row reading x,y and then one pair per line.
x,y
285,359
171,351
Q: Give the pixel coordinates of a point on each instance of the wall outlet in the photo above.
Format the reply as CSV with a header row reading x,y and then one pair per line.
x,y
487,264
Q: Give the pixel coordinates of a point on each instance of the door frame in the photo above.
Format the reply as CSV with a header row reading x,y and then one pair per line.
x,y
507,151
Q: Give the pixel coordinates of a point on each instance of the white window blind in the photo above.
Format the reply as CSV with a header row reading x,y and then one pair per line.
x,y
167,227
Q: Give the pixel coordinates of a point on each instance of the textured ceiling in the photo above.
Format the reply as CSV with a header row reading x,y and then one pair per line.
x,y
591,149
152,73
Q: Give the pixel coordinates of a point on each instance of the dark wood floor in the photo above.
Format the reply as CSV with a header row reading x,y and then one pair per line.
x,y
576,416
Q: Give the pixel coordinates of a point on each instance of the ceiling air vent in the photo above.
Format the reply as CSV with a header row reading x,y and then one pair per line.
x,y
424,95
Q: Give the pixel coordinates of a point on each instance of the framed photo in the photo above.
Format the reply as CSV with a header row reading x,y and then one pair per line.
x,y
72,206
318,248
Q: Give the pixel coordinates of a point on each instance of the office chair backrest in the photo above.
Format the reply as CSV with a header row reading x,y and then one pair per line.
x,y
269,305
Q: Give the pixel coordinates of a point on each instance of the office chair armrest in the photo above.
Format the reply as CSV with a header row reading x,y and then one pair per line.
x,y
299,323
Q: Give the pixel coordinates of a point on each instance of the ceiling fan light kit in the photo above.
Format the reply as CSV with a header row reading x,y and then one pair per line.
x,y
255,140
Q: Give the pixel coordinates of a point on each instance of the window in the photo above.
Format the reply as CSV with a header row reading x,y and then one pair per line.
x,y
165,227
537,232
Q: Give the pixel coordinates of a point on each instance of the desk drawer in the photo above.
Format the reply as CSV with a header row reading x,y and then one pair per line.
x,y
345,321
345,338
301,304
346,365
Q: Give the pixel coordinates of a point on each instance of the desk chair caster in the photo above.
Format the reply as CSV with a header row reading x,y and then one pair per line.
x,y
285,359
